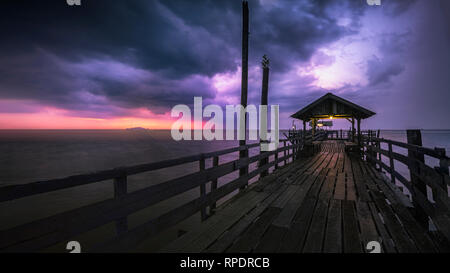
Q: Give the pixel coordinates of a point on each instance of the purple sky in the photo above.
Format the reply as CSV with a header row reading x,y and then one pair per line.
x,y
123,63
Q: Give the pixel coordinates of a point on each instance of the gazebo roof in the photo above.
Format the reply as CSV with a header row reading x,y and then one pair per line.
x,y
332,105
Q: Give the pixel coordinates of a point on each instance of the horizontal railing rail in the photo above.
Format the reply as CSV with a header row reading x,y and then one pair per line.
x,y
52,230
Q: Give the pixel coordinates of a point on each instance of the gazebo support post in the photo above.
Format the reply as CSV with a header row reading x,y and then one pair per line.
x,y
313,123
359,130
304,131
353,129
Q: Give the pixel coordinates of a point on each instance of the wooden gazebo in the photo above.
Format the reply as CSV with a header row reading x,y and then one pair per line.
x,y
331,106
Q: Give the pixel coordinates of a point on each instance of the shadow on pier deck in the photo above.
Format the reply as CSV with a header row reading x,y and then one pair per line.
x,y
330,202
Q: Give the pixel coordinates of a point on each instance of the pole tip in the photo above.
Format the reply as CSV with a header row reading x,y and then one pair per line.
x,y
265,61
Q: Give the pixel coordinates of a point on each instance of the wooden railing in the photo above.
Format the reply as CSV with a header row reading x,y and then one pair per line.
x,y
347,134
421,176
339,135
49,231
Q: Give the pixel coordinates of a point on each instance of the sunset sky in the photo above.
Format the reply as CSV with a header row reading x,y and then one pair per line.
x,y
119,64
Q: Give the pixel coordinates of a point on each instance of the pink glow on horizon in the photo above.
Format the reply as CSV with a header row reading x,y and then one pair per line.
x,y
54,121
46,117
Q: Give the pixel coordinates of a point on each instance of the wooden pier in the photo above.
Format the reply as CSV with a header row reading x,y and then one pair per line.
x,y
315,200
331,202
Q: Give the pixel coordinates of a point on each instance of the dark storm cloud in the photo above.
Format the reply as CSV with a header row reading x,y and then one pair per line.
x,y
72,57
397,7
140,29
380,71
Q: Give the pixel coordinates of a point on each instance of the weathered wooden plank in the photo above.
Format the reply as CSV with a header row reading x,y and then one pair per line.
x,y
319,164
347,165
241,206
351,190
333,162
392,192
301,175
285,196
280,175
368,228
411,226
359,182
399,235
351,238
387,242
294,238
339,192
368,175
289,210
399,205
316,231
271,240
333,233
327,189
340,163
250,239
227,239
440,241
227,218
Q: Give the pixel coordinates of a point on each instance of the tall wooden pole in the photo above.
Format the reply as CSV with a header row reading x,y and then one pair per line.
x,y
264,101
244,82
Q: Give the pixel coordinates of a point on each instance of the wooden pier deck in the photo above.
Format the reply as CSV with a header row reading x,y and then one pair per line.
x,y
320,196
331,202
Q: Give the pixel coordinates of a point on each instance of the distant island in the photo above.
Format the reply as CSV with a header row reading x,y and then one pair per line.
x,y
137,129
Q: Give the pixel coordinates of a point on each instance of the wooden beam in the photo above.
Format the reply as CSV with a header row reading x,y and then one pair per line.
x,y
415,137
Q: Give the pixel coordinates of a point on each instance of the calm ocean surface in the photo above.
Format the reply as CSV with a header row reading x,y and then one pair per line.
x,y
28,156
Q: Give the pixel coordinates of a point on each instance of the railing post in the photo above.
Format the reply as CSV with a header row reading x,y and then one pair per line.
x,y
369,151
285,153
244,170
276,159
120,190
391,164
418,187
262,162
379,155
293,149
212,208
202,189
443,167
